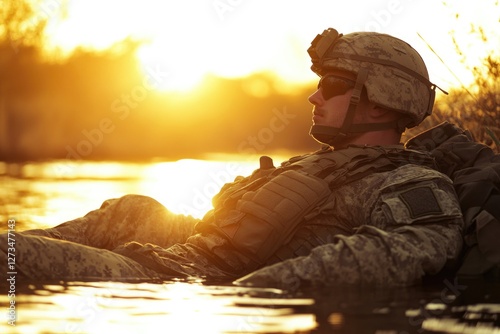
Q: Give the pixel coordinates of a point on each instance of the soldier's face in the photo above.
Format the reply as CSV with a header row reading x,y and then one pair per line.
x,y
331,100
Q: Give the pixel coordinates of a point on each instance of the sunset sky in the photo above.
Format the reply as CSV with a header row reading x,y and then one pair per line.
x,y
190,38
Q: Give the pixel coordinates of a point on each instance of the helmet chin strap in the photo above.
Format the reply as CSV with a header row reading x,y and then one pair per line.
x,y
334,136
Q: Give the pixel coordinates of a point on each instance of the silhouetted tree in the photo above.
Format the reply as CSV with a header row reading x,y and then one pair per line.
x,y
21,33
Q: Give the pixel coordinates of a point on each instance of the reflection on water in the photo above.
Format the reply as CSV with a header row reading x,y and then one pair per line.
x,y
192,307
174,307
483,318
46,194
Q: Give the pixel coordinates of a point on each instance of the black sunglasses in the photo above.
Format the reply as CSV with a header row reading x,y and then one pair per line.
x,y
332,85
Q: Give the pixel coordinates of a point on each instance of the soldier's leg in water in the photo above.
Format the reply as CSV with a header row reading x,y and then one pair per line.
x,y
40,258
118,221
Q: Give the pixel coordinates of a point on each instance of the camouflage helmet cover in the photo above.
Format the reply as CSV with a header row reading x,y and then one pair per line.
x,y
397,76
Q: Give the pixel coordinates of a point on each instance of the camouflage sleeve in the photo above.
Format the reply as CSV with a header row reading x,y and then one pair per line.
x,y
415,230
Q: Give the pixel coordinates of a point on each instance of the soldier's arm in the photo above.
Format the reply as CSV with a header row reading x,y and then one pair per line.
x,y
373,257
416,229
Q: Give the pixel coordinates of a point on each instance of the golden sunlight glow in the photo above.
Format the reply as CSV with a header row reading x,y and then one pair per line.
x,y
64,190
181,307
178,76
64,201
91,24
190,39
187,186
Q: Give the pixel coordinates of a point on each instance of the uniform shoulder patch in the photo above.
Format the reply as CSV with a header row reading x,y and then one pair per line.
x,y
420,201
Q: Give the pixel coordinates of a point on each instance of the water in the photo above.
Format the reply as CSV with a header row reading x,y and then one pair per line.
x,y
46,194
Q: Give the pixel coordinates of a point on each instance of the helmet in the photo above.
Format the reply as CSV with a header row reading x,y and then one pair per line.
x,y
391,71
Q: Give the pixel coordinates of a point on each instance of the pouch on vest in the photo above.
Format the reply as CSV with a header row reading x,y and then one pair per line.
x,y
266,218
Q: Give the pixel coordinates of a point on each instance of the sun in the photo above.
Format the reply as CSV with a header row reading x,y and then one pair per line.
x,y
178,73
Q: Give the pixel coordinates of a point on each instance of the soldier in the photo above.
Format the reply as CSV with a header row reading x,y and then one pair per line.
x,y
362,210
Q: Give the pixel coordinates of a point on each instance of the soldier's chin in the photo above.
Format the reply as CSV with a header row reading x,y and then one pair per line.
x,y
331,136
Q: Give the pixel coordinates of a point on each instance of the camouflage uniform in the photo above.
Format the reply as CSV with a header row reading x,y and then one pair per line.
x,y
408,217
82,248
408,221
398,226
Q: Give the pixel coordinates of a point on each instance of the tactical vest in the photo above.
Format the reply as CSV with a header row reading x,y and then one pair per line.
x,y
475,171
261,213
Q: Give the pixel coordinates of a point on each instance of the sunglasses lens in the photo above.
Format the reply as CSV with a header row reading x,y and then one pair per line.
x,y
333,86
